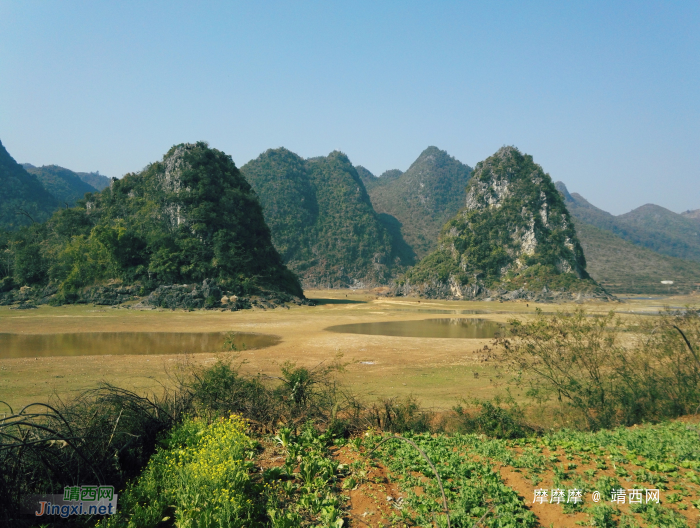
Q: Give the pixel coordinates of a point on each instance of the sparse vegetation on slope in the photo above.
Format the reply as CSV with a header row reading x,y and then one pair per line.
x,y
649,226
423,198
622,267
665,231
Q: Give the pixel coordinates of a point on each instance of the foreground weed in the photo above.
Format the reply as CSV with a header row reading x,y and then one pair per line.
x,y
200,478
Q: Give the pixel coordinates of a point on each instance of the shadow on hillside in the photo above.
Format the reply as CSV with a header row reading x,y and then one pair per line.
x,y
400,247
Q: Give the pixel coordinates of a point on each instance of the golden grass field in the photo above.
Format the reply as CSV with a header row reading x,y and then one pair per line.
x,y
437,371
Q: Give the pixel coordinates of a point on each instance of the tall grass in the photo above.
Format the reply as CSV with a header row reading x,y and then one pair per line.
x,y
104,437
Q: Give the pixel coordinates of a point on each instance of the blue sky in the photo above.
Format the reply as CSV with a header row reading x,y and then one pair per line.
x,y
604,95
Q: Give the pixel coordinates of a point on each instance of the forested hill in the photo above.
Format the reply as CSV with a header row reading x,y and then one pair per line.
x,y
23,199
64,184
514,239
191,218
321,219
649,226
423,198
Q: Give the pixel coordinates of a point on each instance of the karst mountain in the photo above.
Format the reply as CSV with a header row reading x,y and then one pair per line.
x,y
190,219
322,221
513,239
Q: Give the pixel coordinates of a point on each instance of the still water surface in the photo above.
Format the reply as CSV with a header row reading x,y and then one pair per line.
x,y
450,328
124,343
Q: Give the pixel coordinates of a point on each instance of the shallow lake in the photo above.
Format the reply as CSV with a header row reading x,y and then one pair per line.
x,y
128,343
449,328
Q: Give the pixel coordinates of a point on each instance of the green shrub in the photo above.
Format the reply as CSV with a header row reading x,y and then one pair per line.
x,y
494,420
600,379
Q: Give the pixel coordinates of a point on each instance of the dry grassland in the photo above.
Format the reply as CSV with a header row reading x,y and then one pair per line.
x,y
437,371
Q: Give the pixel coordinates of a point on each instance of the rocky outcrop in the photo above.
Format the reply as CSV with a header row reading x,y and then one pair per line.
x,y
210,296
205,295
109,295
514,239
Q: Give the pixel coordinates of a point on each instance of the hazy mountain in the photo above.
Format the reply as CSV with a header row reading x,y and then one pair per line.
x,y
321,219
649,226
695,215
65,185
23,199
514,239
97,180
371,181
423,198
368,179
667,232
191,218
622,267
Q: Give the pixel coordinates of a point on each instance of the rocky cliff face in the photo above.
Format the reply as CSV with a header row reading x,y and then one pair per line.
x,y
513,239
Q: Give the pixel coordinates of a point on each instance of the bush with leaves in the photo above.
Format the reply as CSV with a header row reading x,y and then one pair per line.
x,y
601,379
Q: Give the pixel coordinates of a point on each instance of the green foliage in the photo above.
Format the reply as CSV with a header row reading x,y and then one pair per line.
x,y
580,361
494,420
321,219
188,218
201,478
65,185
421,199
400,415
510,200
305,491
473,490
23,200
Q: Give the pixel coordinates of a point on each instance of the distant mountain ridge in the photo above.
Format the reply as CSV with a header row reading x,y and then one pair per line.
x,y
97,180
23,199
64,184
649,226
321,219
623,267
421,199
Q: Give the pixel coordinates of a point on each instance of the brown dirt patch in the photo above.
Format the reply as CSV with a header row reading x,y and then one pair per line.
x,y
375,501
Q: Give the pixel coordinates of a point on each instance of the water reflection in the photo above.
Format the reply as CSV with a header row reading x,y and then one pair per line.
x,y
449,328
128,343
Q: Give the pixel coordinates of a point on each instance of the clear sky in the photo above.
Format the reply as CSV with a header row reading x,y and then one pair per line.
x,y
604,95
